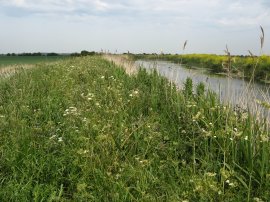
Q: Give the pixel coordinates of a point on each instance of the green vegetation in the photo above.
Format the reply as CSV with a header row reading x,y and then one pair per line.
x,y
241,66
83,130
35,58
21,60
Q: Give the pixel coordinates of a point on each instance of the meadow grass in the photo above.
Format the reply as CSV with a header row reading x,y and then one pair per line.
x,y
84,130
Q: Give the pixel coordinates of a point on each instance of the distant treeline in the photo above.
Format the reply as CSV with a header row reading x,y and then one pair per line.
x,y
31,54
82,53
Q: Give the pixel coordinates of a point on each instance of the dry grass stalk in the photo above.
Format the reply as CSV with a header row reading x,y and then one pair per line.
x,y
122,61
12,69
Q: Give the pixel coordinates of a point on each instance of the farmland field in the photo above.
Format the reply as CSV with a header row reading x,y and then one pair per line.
x,y
83,130
21,60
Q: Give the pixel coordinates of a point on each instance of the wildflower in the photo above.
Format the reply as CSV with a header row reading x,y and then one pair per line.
x,y
130,95
246,138
209,174
184,162
264,138
91,95
197,116
143,162
102,77
244,115
60,139
235,129
2,116
117,176
97,104
81,151
70,110
52,137
232,184
256,199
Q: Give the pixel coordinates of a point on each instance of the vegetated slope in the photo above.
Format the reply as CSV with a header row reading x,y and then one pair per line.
x,y
83,130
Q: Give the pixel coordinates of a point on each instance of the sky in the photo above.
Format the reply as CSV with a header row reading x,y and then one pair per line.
x,y
139,26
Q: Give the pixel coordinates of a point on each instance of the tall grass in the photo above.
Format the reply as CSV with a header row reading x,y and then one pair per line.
x,y
84,130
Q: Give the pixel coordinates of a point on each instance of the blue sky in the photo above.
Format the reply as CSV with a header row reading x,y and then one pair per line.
x,y
134,25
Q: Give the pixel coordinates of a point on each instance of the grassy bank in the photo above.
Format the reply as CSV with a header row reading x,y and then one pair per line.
x,y
83,130
240,66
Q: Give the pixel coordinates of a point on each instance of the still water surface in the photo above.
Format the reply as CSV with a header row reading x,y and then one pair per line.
x,y
233,91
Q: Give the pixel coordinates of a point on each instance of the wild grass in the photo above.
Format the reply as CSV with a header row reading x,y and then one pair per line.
x,y
84,130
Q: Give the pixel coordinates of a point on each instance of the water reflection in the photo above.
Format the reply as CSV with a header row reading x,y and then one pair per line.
x,y
230,90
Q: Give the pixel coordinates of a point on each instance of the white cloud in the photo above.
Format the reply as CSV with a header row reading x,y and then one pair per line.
x,y
18,2
149,23
221,11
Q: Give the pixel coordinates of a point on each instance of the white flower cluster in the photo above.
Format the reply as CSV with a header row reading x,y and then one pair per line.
x,y
59,139
89,96
71,111
134,93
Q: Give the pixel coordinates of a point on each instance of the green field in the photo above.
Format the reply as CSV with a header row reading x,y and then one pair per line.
x,y
21,60
83,130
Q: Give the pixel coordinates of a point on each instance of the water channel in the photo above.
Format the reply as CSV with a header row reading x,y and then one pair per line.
x,y
234,91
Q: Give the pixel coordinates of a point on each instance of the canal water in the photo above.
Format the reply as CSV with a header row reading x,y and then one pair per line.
x,y
234,91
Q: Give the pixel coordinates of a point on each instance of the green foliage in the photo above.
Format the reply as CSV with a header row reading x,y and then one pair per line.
x,y
188,88
83,130
200,89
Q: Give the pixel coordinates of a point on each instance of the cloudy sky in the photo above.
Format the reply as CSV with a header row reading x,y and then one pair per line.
x,y
134,25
